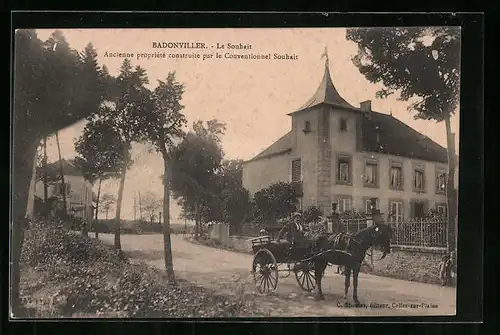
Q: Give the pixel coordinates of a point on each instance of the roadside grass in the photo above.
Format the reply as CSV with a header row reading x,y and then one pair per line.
x,y
64,274
420,267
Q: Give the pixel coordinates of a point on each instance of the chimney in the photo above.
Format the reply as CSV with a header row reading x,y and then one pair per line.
x,y
366,106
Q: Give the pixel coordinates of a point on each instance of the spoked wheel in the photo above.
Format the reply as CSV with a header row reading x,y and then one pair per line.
x,y
265,271
304,273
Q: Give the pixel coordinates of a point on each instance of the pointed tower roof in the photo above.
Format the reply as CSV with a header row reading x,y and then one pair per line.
x,y
326,92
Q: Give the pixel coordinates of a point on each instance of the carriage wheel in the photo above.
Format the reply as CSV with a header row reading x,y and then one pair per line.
x,y
304,273
265,271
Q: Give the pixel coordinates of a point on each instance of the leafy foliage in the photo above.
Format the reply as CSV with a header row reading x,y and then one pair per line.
x,y
89,279
418,62
107,201
51,92
101,151
194,163
424,64
151,204
277,201
162,125
312,214
55,86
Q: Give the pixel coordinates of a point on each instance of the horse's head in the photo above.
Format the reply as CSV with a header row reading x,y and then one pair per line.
x,y
382,234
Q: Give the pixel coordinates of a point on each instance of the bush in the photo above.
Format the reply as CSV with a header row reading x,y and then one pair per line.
x,y
89,278
128,227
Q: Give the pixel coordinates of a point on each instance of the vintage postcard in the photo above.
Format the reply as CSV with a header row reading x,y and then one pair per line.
x,y
214,173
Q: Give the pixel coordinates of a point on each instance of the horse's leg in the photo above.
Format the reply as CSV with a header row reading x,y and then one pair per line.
x,y
347,274
355,274
319,271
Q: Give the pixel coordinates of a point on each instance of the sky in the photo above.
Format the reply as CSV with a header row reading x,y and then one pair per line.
x,y
251,96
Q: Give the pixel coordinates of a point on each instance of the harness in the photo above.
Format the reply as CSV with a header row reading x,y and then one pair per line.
x,y
350,237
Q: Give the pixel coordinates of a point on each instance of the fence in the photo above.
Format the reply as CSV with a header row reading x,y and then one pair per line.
x,y
249,230
426,234
352,226
420,233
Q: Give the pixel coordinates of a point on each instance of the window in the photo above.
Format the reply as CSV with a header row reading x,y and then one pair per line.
x,y
440,182
343,170
368,204
296,170
418,180
396,177
418,210
371,175
344,204
396,211
307,127
343,124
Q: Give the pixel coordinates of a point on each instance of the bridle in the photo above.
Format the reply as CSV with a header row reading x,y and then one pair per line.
x,y
351,237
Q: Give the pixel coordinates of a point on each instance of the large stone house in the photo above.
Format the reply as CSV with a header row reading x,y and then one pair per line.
x,y
79,195
339,153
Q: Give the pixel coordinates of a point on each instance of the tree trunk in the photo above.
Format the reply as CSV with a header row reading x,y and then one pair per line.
x,y
197,221
167,243
97,208
63,187
22,172
451,193
118,244
45,181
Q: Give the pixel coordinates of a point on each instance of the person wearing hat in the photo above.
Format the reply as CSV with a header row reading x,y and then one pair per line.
x,y
293,229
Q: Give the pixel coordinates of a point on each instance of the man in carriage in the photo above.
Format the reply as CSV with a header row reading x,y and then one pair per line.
x,y
292,231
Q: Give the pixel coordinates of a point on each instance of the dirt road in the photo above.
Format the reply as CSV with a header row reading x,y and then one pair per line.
x,y
230,272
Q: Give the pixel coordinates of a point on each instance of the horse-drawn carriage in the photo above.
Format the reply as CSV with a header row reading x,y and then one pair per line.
x,y
272,257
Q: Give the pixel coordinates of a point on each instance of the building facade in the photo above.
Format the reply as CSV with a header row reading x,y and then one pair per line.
x,y
343,154
78,191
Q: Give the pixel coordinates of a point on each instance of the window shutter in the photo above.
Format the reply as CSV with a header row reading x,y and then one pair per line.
x,y
412,209
296,170
425,205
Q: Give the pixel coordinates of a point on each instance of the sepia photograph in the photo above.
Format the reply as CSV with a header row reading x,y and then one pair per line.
x,y
234,172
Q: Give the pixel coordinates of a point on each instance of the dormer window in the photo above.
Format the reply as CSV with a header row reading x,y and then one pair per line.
x,y
343,124
307,127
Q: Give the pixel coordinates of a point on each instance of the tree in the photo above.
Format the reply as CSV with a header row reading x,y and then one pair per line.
x,y
49,95
195,161
100,152
151,204
275,202
131,101
107,201
423,64
234,200
162,127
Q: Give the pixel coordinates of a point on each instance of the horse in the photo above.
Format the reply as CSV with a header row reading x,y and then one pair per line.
x,y
356,245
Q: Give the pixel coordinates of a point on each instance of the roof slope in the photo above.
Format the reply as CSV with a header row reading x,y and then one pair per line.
x,y
68,168
326,93
281,146
394,138
397,138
